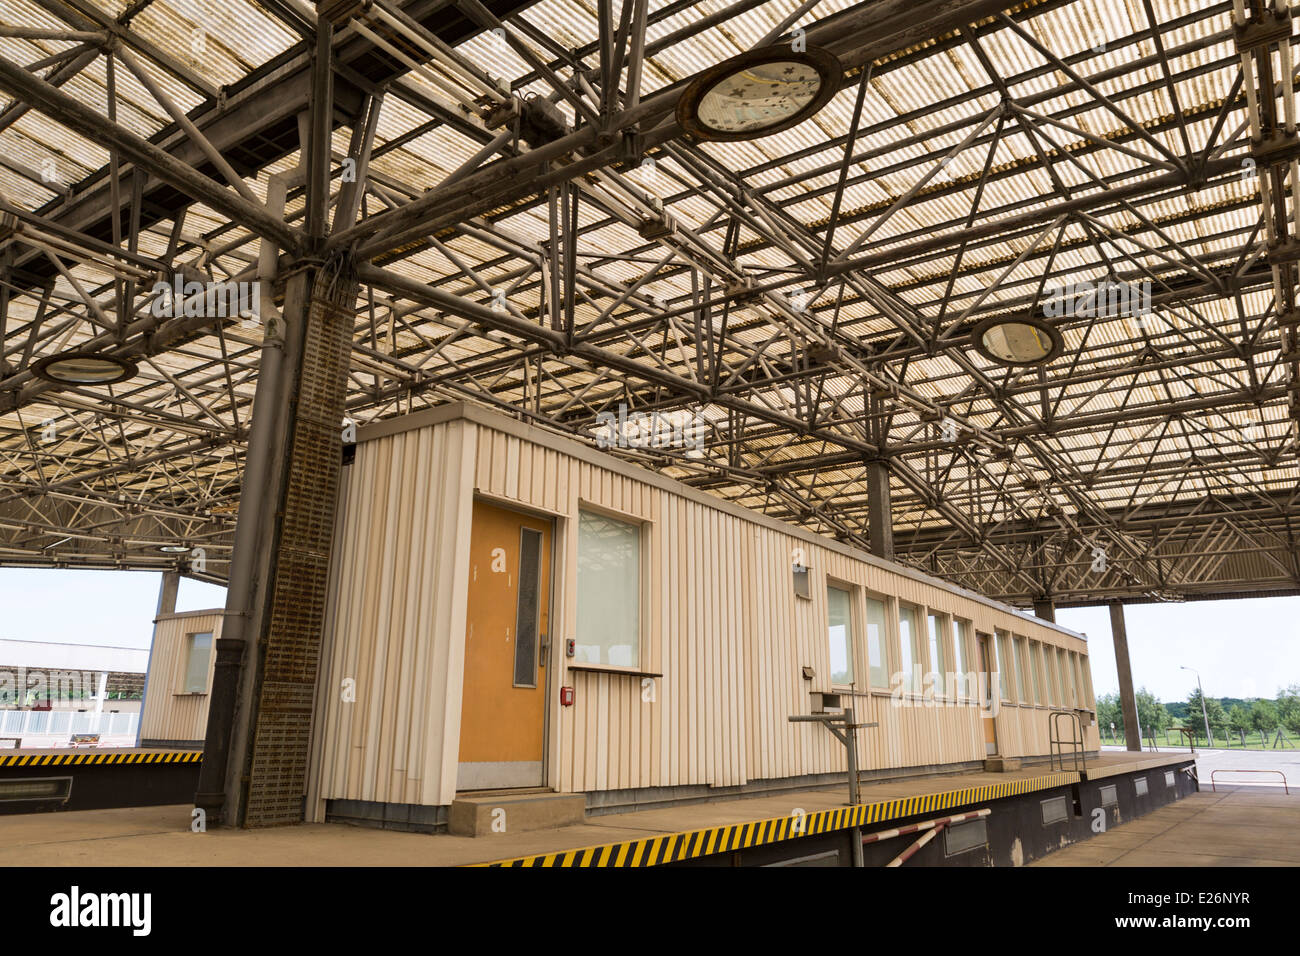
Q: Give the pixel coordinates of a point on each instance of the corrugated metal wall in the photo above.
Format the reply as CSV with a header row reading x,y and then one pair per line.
x,y
169,715
722,625
389,708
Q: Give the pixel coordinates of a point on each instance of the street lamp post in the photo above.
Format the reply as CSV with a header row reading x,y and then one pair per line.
x,y
1208,736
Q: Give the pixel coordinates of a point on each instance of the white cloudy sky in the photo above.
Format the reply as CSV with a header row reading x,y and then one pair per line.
x,y
1241,648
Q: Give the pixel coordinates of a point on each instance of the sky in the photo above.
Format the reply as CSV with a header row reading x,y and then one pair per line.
x,y
1244,648
109,608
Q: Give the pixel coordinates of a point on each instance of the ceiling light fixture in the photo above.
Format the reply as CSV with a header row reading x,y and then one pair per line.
x,y
174,548
758,93
1017,341
83,368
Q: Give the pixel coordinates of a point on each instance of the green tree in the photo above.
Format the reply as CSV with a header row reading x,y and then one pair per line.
x,y
1263,715
1288,708
1214,711
1109,712
1151,713
1238,719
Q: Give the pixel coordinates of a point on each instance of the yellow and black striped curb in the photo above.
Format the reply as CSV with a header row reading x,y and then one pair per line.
x,y
82,758
671,847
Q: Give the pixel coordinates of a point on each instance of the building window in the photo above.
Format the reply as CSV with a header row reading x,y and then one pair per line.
x,y
840,632
877,625
1053,679
1035,664
1003,665
961,653
939,652
1076,668
910,646
198,655
1068,698
1021,670
609,591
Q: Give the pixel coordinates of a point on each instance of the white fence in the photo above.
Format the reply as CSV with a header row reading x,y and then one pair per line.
x,y
54,728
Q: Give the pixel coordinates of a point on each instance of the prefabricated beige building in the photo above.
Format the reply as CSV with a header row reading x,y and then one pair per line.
x,y
179,681
513,609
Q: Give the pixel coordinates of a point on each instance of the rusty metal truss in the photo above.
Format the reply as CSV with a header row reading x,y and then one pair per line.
x,y
534,232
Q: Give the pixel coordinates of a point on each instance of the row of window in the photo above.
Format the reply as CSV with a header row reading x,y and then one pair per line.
x,y
608,632
944,656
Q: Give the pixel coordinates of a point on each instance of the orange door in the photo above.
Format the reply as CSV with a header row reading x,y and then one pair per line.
x,y
989,693
504,702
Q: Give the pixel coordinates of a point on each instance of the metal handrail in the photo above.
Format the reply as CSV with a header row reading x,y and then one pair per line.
x,y
1056,743
1225,770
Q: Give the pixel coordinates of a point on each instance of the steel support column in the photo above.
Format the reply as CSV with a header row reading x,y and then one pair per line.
x,y
880,527
171,582
1046,609
259,725
1128,700
261,494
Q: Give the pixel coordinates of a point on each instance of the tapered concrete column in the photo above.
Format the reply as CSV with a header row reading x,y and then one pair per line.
x,y
880,517
1045,609
171,582
1127,699
254,770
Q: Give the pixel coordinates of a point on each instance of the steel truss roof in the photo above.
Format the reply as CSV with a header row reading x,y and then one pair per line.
x,y
808,296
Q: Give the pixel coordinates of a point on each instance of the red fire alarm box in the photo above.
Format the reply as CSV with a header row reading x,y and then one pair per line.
x,y
566,696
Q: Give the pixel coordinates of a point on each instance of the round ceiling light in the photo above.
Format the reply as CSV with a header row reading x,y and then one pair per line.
x,y
174,548
1017,341
83,368
758,93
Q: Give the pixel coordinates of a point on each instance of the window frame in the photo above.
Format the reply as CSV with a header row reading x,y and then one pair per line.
x,y
917,651
1069,695
1001,640
850,635
1019,649
937,629
886,639
962,631
187,660
645,529
1035,663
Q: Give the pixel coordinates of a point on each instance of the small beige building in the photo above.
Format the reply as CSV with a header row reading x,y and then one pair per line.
x,y
513,609
179,681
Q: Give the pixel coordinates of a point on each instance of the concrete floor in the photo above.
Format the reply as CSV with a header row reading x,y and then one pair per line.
x,y
1239,827
160,836
1227,761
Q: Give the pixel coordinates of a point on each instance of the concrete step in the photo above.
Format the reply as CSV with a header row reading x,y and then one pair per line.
x,y
490,813
1001,764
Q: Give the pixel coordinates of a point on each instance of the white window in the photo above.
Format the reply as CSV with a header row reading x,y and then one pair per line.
x,y
841,634
1004,666
938,651
911,649
198,656
961,654
877,627
1035,667
1022,669
609,591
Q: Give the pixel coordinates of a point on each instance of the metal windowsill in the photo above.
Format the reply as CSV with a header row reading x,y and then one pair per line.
x,y
604,669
